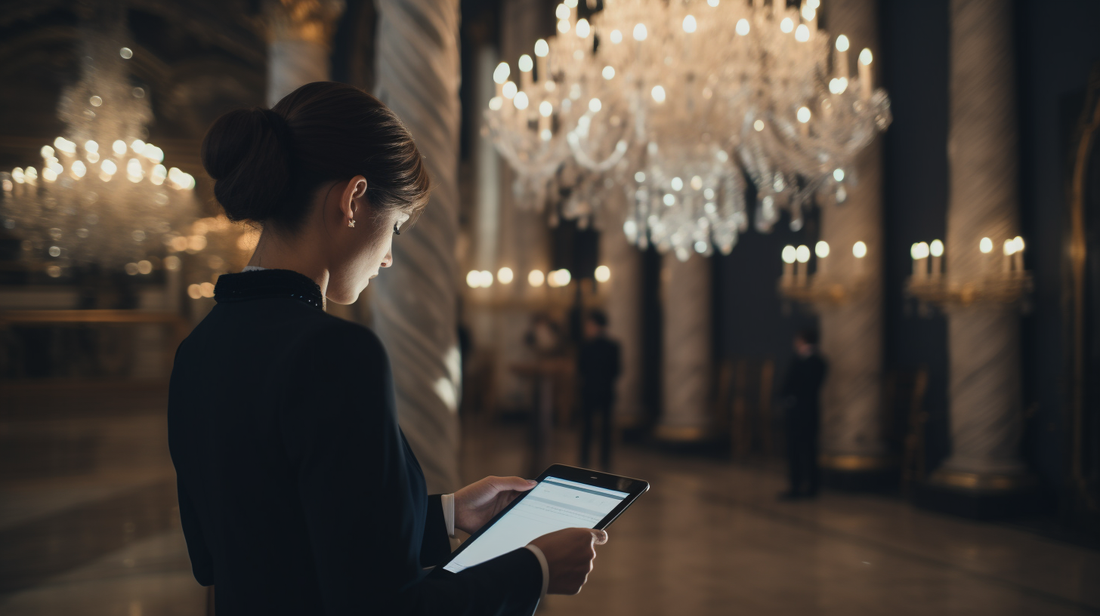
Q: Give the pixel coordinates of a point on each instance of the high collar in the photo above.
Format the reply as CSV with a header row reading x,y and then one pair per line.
x,y
268,283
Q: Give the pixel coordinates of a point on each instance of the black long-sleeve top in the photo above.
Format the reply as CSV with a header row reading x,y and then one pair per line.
x,y
298,493
802,391
598,366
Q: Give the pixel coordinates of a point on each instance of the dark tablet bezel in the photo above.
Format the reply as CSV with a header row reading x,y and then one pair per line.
x,y
633,487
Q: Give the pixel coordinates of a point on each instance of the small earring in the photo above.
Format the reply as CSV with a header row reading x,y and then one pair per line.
x,y
351,223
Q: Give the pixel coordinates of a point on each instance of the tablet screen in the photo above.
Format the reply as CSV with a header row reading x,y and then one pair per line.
x,y
552,505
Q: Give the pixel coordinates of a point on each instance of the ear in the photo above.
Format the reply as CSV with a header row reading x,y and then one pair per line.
x,y
353,199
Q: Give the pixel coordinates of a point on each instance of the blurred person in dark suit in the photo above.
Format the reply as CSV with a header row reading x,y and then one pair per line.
x,y
802,418
598,367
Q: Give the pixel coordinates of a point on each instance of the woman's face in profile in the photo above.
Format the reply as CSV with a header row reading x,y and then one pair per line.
x,y
369,250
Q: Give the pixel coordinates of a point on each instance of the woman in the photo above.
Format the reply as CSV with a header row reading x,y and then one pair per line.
x,y
298,492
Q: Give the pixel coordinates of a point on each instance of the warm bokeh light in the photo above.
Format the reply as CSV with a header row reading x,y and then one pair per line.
x,y
505,275
536,278
789,254
859,250
603,273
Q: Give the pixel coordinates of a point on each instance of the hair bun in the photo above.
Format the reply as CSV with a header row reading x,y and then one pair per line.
x,y
247,153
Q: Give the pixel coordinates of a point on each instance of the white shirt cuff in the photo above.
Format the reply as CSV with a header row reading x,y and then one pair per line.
x,y
448,501
545,569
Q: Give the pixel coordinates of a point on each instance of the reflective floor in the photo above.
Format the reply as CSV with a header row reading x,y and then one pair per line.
x,y
88,526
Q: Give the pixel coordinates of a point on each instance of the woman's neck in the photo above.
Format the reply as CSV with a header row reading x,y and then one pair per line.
x,y
277,251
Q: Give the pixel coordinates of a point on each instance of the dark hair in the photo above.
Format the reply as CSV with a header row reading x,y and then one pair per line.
x,y
597,316
268,163
808,335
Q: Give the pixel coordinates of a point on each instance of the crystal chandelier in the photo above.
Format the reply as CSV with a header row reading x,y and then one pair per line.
x,y
676,102
102,194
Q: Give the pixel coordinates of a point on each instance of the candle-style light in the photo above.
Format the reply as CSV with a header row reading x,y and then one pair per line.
x,y
919,252
821,249
840,58
802,255
789,256
865,85
985,246
859,251
936,249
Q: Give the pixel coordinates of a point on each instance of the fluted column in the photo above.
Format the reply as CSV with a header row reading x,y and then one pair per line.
x,y
299,38
852,438
984,339
624,311
686,352
414,303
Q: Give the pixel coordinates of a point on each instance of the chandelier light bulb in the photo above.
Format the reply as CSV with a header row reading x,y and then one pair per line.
x,y
616,37
505,276
640,32
563,26
742,27
758,125
500,74
109,167
49,175
91,146
838,175
536,278
138,145
570,3
639,177
486,278
1009,247
563,277
803,114
526,64
689,24
561,12
677,183
808,12
787,25
78,169
473,279
658,94
609,72
936,248
865,57
813,4
542,48
583,28
95,101
986,245
118,147
603,273
802,254
520,100
64,145
1019,241
126,53
801,33
496,103
546,109
842,43
859,250
789,254
595,105
696,182
46,151
821,249
509,89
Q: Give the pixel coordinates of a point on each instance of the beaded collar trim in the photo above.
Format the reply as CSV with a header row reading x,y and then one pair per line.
x,y
266,284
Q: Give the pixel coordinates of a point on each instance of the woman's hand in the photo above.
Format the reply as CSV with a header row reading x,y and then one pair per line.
x,y
478,502
569,554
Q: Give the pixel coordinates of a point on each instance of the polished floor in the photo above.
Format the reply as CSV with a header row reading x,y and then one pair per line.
x,y
88,527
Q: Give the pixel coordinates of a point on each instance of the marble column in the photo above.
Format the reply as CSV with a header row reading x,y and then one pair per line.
x,y
686,354
852,438
414,303
984,338
624,312
299,37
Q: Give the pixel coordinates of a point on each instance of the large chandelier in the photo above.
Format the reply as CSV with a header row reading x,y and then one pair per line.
x,y
102,194
676,102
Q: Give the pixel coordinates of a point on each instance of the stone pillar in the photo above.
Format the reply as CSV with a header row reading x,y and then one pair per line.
x,y
853,446
984,338
624,311
686,354
414,304
299,36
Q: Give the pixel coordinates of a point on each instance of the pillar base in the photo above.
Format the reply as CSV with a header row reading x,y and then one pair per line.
x,y
859,473
977,496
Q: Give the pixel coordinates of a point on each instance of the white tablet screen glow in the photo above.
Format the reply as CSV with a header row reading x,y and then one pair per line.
x,y
552,505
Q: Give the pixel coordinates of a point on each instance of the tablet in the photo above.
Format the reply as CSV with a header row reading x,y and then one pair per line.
x,y
566,497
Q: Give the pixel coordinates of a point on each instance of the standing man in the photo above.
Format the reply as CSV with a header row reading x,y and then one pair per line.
x,y
801,403
598,367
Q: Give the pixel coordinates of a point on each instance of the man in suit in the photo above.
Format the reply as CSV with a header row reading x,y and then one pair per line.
x,y
598,367
801,402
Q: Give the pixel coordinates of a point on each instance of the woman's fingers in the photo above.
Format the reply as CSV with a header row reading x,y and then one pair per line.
x,y
518,484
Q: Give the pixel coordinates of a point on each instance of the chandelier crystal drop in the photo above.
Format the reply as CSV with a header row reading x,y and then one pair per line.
x,y
102,194
676,102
